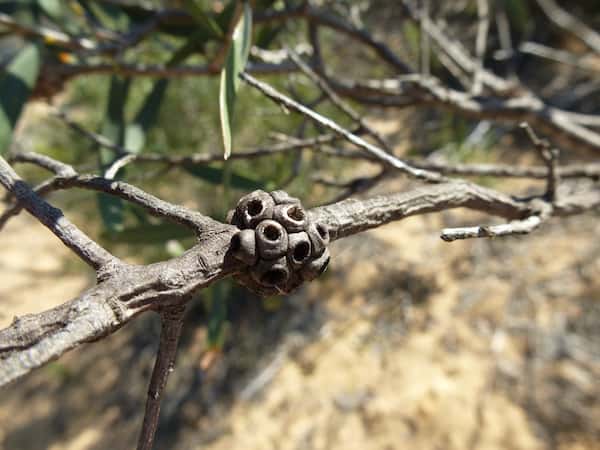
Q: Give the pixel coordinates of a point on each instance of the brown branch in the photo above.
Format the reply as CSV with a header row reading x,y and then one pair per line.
x,y
483,26
323,18
59,168
33,340
164,70
455,50
49,35
560,56
590,170
155,206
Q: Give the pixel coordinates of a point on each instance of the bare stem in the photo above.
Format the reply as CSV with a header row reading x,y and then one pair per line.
x,y
171,325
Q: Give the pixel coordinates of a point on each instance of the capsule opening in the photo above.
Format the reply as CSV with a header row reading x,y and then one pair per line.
x,y
272,233
255,207
301,252
296,213
273,277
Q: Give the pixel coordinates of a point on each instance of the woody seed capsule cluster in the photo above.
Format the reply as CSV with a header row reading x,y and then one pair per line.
x,y
278,241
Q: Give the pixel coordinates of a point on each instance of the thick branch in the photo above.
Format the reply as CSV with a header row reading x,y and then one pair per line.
x,y
33,340
36,339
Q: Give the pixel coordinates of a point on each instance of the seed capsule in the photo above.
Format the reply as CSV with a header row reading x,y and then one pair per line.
x,y
299,249
319,238
271,239
254,207
271,273
291,216
243,247
316,267
282,197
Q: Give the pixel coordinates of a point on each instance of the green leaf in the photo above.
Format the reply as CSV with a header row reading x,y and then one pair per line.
x,y
52,8
112,208
136,132
216,175
234,65
204,20
267,34
217,319
113,127
16,83
108,15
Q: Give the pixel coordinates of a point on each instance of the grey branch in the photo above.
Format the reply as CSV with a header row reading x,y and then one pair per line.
x,y
175,213
53,218
525,226
171,324
570,23
335,99
33,340
380,154
562,125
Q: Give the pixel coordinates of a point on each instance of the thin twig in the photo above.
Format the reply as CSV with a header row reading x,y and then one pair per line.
x,y
550,157
425,45
54,36
335,99
560,56
171,325
570,23
176,213
384,157
88,250
525,226
483,26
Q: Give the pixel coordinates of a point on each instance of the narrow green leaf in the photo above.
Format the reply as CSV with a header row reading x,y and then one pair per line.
x,y
235,62
226,103
216,175
136,132
267,35
52,8
203,19
109,15
112,208
16,83
217,319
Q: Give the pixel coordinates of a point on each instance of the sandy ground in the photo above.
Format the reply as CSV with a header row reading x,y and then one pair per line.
x,y
32,270
411,343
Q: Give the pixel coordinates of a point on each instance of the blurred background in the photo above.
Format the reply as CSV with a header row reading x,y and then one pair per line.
x,y
405,342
